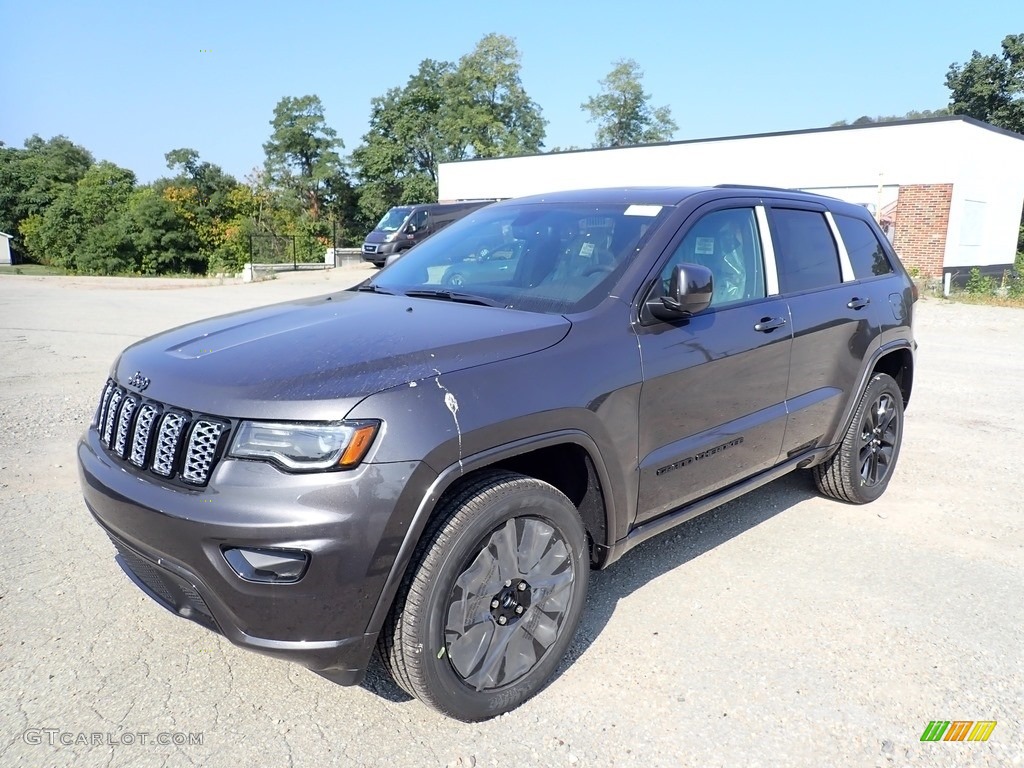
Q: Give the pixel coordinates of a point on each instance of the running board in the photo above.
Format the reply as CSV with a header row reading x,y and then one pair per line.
x,y
648,530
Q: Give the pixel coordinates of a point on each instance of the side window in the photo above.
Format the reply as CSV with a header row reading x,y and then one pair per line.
x,y
805,252
866,253
727,242
418,219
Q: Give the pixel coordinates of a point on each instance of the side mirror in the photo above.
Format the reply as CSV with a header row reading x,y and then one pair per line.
x,y
689,291
410,229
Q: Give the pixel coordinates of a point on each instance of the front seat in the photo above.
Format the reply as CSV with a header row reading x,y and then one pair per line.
x,y
585,255
729,267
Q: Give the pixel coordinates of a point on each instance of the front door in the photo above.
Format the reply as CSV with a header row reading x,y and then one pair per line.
x,y
712,403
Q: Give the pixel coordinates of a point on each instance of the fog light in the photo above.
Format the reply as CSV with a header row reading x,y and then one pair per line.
x,y
274,566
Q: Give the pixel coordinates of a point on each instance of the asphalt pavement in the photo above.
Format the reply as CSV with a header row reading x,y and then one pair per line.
x,y
782,629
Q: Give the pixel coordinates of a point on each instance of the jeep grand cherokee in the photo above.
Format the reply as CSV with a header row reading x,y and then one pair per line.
x,y
432,469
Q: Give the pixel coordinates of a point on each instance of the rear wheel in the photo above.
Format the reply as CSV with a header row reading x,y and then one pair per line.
x,y
492,598
860,470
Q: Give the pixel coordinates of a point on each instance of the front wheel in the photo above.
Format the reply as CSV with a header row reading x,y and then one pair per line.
x,y
492,598
860,470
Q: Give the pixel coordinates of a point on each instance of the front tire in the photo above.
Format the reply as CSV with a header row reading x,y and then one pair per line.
x,y
492,598
860,470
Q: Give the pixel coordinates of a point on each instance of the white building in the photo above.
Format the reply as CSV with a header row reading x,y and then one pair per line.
x,y
949,191
5,248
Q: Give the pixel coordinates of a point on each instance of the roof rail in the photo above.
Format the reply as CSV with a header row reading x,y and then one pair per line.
x,y
758,186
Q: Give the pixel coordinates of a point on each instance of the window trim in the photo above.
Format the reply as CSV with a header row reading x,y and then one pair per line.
x,y
771,268
845,265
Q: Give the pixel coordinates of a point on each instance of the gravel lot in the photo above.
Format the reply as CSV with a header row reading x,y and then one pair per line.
x,y
779,630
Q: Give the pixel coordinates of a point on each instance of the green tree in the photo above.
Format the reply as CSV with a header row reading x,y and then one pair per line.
x,y
201,195
301,155
32,178
487,112
101,200
163,240
991,88
445,112
397,161
85,229
913,114
622,110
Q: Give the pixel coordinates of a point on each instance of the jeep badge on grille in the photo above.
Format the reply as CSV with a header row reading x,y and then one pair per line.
x,y
138,381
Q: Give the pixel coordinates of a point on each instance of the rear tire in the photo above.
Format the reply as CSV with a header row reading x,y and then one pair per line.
x,y
860,470
491,599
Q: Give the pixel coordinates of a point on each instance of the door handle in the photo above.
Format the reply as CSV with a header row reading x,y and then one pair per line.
x,y
856,303
769,324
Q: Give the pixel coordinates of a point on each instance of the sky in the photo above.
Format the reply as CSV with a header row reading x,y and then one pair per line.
x,y
131,81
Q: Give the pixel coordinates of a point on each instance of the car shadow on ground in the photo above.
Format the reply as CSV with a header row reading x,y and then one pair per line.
x,y
658,556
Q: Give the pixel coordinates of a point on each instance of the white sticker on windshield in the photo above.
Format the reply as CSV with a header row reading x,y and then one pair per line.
x,y
643,210
705,246
586,250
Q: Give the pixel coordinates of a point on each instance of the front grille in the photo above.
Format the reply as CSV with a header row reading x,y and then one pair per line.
x,y
168,589
171,443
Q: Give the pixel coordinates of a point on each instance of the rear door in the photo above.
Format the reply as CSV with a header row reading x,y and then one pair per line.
x,y
712,403
835,318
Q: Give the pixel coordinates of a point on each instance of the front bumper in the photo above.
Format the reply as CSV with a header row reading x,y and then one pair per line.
x,y
379,253
170,541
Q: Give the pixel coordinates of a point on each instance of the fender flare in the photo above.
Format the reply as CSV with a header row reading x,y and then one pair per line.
x,y
454,472
864,380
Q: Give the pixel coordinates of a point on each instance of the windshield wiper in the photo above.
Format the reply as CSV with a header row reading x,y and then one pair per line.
x,y
464,298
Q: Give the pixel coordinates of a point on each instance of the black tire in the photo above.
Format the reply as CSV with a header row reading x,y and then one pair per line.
x,y
467,632
860,470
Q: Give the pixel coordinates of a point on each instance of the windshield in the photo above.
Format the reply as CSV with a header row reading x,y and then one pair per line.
x,y
541,257
393,219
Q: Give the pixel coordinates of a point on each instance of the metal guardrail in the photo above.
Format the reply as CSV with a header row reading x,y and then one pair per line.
x,y
333,257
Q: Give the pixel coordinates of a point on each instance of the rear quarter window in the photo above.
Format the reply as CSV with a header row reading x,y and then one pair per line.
x,y
867,256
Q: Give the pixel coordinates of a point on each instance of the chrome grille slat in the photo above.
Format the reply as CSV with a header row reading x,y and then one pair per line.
x,y
124,421
142,434
171,426
101,414
108,422
202,446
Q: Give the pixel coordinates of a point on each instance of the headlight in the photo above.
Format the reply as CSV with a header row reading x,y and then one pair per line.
x,y
304,447
391,238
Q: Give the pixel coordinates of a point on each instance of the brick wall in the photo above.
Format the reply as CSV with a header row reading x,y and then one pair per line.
x,y
922,218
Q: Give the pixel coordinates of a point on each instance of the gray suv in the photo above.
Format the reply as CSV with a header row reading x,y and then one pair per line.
x,y
432,469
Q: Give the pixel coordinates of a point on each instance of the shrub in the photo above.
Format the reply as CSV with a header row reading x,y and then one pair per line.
x,y
1015,278
979,284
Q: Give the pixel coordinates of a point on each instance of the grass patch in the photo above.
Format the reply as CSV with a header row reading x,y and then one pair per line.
x,y
30,269
989,300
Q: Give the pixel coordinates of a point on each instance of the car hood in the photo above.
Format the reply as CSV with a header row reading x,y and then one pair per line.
x,y
377,236
316,358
